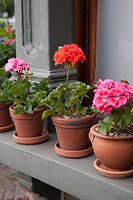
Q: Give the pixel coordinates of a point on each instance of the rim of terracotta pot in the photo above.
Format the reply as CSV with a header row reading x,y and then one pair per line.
x,y
25,115
93,130
62,120
82,118
4,105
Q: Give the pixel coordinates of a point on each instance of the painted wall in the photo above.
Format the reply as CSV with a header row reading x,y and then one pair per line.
x,y
115,40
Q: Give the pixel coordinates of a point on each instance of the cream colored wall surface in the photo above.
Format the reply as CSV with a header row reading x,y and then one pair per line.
x,y
115,40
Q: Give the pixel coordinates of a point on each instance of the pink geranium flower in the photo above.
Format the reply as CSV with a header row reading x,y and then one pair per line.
x,y
8,41
114,99
17,65
9,30
110,95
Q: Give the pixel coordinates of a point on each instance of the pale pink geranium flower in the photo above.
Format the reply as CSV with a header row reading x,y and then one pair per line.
x,y
17,65
8,67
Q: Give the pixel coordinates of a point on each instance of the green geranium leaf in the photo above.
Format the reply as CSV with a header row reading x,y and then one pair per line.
x,y
19,109
29,108
47,113
84,110
104,126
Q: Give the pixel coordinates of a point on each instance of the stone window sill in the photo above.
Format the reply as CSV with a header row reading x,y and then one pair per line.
x,y
74,176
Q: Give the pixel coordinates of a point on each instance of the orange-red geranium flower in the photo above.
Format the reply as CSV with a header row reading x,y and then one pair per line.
x,y
69,54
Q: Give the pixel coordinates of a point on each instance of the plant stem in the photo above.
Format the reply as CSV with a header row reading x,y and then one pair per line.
x,y
27,80
67,78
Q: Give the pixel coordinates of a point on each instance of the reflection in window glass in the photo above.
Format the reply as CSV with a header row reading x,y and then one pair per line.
x,y
7,31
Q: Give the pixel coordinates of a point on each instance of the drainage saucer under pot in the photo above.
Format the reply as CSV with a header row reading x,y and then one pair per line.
x,y
73,154
6,128
31,140
105,171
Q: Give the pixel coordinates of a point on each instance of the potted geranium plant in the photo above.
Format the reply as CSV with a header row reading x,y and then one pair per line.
x,y
71,119
7,50
5,102
112,137
26,110
7,43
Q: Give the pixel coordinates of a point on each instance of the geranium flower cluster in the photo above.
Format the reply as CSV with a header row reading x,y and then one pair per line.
x,y
69,54
10,36
7,42
16,65
110,94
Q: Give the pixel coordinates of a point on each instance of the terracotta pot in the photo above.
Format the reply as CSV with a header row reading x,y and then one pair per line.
x,y
5,118
72,134
116,153
28,125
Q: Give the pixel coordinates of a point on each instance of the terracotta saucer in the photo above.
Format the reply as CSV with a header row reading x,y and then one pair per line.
x,y
105,171
31,140
6,128
73,154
